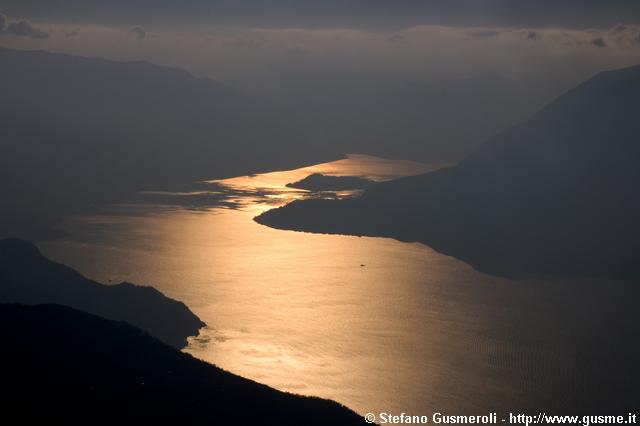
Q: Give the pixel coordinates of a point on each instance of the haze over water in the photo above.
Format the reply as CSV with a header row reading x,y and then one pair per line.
x,y
373,323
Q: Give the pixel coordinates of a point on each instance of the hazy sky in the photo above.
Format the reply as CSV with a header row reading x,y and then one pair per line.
x,y
369,14
558,41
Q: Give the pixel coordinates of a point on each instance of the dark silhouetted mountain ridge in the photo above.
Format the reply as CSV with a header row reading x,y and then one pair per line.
x,y
320,182
63,365
557,194
27,277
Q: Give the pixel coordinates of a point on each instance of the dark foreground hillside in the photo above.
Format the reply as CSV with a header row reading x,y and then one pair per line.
x,y
60,364
27,277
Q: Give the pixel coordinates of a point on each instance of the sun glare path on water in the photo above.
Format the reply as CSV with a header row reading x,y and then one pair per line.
x,y
270,189
373,323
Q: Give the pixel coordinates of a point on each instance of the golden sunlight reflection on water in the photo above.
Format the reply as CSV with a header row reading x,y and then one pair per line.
x,y
373,323
273,190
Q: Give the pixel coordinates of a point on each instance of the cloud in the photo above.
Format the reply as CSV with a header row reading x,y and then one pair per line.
x,y
483,33
598,42
20,28
138,32
245,43
620,28
395,38
252,59
624,35
315,14
298,53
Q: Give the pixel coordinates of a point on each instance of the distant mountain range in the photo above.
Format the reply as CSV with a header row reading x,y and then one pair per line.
x,y
82,132
63,365
395,117
27,277
557,194
78,132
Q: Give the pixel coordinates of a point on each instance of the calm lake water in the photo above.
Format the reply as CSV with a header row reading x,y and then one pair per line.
x,y
376,324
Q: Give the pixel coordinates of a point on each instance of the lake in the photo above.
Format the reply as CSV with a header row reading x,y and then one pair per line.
x,y
373,323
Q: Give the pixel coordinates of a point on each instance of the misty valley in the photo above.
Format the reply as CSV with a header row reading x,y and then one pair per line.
x,y
391,212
